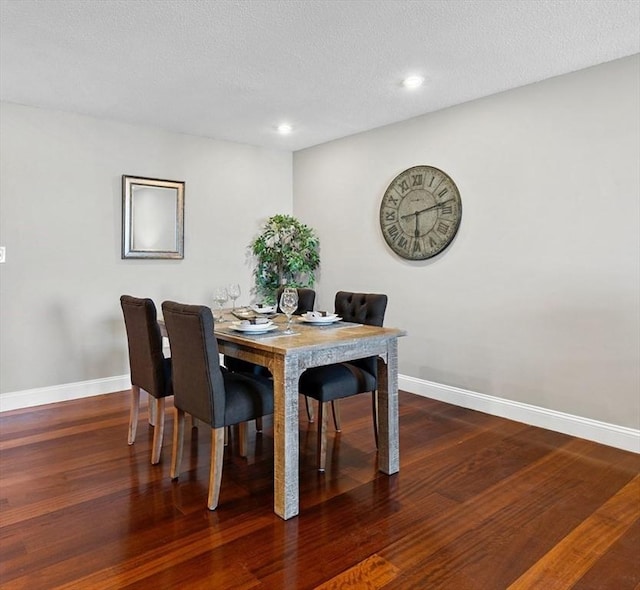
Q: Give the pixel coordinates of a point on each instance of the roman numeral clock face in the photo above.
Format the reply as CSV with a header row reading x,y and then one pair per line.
x,y
420,212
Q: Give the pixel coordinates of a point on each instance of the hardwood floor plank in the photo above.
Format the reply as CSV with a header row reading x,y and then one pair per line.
x,y
623,552
370,574
572,557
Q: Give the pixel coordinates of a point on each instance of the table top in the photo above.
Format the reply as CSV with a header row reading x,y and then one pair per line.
x,y
305,335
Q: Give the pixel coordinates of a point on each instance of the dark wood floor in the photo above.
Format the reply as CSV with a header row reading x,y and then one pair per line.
x,y
480,503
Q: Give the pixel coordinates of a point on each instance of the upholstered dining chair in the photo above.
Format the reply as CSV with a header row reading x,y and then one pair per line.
x,y
150,371
202,389
306,301
331,383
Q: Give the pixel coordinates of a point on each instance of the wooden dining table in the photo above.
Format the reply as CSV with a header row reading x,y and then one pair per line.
x,y
310,345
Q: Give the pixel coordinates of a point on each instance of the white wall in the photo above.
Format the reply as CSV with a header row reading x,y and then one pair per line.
x,y
537,300
60,220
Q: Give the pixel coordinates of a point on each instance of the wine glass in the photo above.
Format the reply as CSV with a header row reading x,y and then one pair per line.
x,y
220,295
234,292
288,304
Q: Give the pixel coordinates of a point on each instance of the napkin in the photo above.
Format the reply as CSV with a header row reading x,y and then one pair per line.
x,y
317,314
255,321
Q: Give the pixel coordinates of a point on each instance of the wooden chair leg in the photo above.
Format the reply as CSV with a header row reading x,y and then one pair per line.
x,y
133,415
152,411
215,472
258,424
323,418
309,407
243,435
374,412
335,408
158,431
178,440
194,422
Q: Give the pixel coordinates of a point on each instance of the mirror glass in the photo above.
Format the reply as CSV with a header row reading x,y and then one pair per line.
x,y
152,218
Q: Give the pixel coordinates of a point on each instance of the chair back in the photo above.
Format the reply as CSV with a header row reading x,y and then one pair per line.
x,y
306,300
198,384
149,369
362,308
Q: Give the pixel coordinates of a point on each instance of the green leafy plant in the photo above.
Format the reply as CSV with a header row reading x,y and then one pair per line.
x,y
286,251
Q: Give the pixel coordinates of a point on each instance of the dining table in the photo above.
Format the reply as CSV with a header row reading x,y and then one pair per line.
x,y
287,356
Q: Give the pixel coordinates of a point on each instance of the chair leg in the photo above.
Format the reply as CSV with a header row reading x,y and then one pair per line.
x,y
133,415
178,440
335,408
158,431
153,418
194,422
309,407
215,472
323,418
374,412
258,424
243,435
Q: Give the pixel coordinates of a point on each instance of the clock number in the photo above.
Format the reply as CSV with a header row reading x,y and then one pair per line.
x,y
443,192
432,179
417,179
442,228
432,242
416,247
392,199
394,231
404,186
402,242
447,210
390,216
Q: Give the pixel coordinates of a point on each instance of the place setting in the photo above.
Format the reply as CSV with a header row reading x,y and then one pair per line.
x,y
254,326
320,318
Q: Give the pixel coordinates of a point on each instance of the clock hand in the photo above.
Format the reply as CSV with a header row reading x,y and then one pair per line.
x,y
416,232
416,213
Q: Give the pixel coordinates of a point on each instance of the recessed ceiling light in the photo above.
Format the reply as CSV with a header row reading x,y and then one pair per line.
x,y
284,128
413,82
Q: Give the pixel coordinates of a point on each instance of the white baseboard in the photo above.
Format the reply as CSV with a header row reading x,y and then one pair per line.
x,y
60,393
612,435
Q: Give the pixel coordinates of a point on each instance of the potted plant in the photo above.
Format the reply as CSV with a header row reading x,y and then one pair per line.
x,y
287,252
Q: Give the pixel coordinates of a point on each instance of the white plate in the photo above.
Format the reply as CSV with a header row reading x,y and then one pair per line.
x,y
264,309
329,319
254,328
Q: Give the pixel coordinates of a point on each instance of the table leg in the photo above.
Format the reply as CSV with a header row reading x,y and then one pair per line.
x,y
388,429
285,437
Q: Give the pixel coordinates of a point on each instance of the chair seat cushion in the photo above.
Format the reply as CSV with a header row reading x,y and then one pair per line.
x,y
336,381
248,397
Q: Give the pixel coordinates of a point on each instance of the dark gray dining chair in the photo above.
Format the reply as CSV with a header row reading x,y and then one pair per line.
x,y
204,390
330,383
150,371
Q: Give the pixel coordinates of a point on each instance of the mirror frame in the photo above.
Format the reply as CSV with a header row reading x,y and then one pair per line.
x,y
128,236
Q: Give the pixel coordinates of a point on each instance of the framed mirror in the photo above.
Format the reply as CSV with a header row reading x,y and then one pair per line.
x,y
152,218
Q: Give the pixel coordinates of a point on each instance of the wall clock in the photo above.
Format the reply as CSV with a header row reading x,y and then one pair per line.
x,y
420,212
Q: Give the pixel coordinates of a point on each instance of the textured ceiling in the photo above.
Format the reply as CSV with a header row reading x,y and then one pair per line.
x,y
235,69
